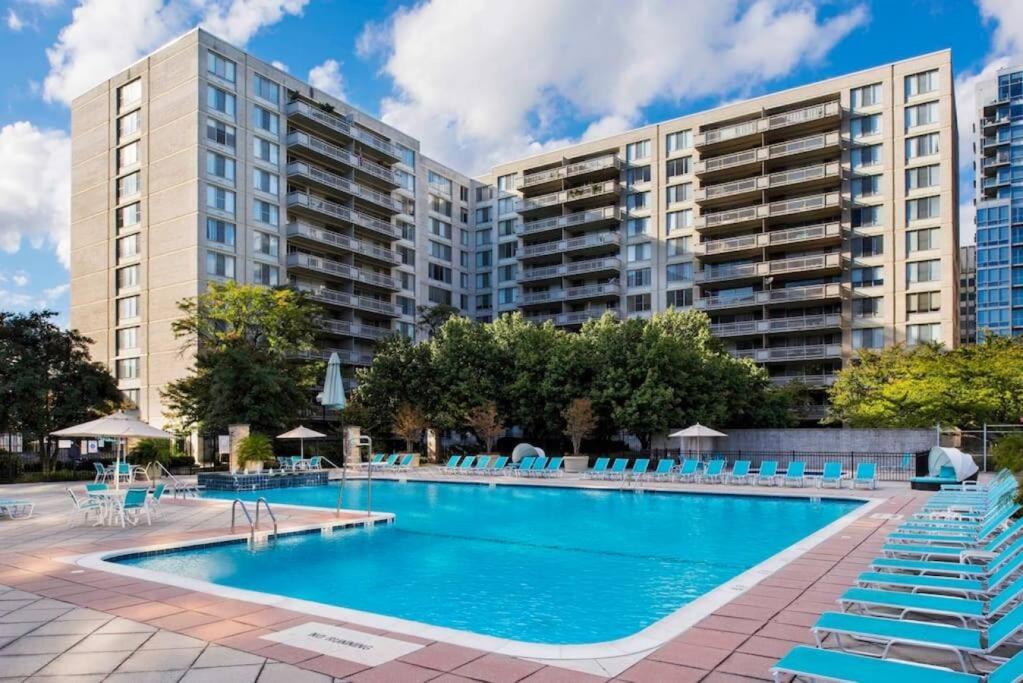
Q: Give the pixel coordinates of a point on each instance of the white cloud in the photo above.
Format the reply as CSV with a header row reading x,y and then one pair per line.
x,y
84,53
35,189
277,64
14,22
21,300
327,77
20,278
535,62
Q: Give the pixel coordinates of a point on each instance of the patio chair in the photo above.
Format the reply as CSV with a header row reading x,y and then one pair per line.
x,y
598,470
405,464
499,466
315,463
134,505
866,475
283,463
929,547
16,509
832,474
539,465
768,473
96,487
82,506
639,468
377,459
154,501
715,472
810,663
618,468
451,465
466,464
482,462
553,468
795,474
664,470
101,472
740,473
688,470
524,466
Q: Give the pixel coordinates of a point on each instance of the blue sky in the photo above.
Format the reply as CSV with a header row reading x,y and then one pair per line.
x,y
475,81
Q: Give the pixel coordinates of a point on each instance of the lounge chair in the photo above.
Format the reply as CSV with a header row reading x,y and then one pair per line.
x,y
768,473
405,464
451,465
795,474
598,470
950,535
689,470
967,588
465,467
740,472
539,465
715,472
524,466
926,550
377,459
866,475
639,468
618,468
664,471
482,462
82,506
390,464
553,468
832,474
499,466
16,509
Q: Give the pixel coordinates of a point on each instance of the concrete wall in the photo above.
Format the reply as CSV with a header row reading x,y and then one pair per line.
x,y
816,440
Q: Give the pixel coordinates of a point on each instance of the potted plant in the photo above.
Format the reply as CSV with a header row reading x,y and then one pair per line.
x,y
148,452
253,451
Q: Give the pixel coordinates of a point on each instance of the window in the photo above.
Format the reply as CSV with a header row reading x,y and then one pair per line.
x,y
220,199
683,139
484,238
484,193
923,208
868,277
405,180
439,251
482,280
638,252
219,66
508,183
863,157
505,227
128,368
439,295
407,305
922,240
463,214
265,120
265,150
220,232
483,214
265,274
127,308
637,200
867,307
868,246
923,271
680,220
265,244
865,186
439,273
219,166
636,175
921,83
680,246
483,301
865,126
639,277
507,249
128,247
507,295
867,96
128,155
923,302
637,303
677,167
637,226
264,181
220,133
505,205
921,146
220,265
868,338
408,281
129,94
128,186
637,150
866,217
921,177
407,256
921,115
680,298
266,89
129,124
682,192
506,273
265,212
439,183
220,100
127,277
679,272
921,334
408,155
484,259
128,216
127,339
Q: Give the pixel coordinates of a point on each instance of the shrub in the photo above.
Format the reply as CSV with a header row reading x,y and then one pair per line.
x,y
11,467
1008,453
255,448
181,461
55,475
146,451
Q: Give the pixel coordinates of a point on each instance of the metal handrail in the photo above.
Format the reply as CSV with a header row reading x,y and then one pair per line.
x,y
269,512
177,484
234,506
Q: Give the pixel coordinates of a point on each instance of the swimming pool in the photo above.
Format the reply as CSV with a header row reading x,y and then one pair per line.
x,y
536,564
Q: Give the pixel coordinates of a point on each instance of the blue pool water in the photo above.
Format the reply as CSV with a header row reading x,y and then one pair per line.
x,y
538,564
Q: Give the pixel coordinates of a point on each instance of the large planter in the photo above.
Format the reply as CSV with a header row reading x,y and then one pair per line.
x,y
576,463
254,467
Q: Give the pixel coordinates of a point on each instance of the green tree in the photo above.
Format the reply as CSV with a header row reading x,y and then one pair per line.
x,y
432,318
47,380
467,367
401,373
246,339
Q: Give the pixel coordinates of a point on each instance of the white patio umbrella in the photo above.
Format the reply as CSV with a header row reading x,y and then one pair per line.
x,y
698,432
333,396
120,426
301,433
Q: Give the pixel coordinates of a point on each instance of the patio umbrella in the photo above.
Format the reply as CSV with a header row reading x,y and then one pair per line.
x,y
120,426
301,433
698,432
333,396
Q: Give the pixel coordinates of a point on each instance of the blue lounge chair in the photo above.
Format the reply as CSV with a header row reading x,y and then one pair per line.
x,y
689,470
928,550
16,509
810,663
405,464
524,466
451,465
715,472
795,474
465,466
539,465
939,584
373,462
553,468
482,463
740,472
499,466
664,471
598,470
639,468
866,475
768,473
618,467
832,475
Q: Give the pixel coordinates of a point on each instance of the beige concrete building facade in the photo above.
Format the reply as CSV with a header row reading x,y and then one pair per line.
x,y
807,224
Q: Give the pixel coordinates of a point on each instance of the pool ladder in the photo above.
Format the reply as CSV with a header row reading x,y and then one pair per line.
x,y
253,525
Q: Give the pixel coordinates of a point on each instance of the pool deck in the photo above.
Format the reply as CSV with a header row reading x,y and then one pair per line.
x,y
58,620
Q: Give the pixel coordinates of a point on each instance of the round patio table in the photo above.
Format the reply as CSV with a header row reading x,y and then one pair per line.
x,y
109,501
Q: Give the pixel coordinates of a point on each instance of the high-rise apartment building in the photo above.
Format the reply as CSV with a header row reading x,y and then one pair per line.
x,y
968,294
807,223
998,166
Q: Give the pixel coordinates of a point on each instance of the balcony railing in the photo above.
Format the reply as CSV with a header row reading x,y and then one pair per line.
x,y
781,120
770,296
782,149
574,169
334,239
588,291
583,242
342,270
549,296
350,329
785,207
803,234
790,353
608,213
343,126
347,356
573,194
298,168
364,303
776,325
780,179
728,272
799,263
342,155
343,213
825,379
569,269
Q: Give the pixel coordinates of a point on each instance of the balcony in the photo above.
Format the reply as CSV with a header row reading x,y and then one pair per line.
x,y
818,380
770,297
811,235
742,328
331,182
814,115
804,323
347,356
992,163
580,317
750,215
570,269
728,272
574,197
334,297
325,151
803,265
592,218
547,297
593,291
741,163
332,211
323,266
299,231
325,121
600,241
604,167
807,176
781,354
345,328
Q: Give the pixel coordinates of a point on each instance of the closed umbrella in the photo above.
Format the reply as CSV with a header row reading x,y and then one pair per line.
x,y
698,432
301,433
121,426
333,396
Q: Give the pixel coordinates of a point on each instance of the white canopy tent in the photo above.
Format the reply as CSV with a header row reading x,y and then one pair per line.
x,y
698,432
121,426
962,463
302,433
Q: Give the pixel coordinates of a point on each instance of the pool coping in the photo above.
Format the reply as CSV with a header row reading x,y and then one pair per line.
x,y
608,658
